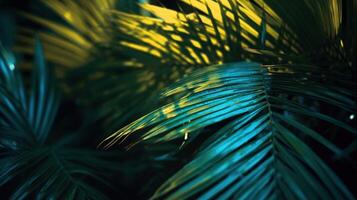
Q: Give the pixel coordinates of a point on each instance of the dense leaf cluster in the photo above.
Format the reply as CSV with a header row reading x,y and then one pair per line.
x,y
203,99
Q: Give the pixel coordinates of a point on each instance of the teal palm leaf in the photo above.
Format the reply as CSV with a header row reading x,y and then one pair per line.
x,y
173,43
40,169
262,148
110,93
56,171
31,114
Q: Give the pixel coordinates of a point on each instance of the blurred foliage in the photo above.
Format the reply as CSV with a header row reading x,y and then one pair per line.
x,y
206,99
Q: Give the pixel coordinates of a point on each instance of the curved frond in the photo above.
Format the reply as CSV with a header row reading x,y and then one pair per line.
x,y
171,44
264,132
29,115
141,86
213,32
73,43
39,169
55,172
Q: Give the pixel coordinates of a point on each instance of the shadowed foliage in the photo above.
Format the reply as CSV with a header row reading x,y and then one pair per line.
x,y
265,143
262,150
204,99
44,170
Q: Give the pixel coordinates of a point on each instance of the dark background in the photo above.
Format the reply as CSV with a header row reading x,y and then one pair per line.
x,y
10,21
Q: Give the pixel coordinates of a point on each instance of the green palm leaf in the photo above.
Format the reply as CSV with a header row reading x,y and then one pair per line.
x,y
212,32
173,43
56,172
38,168
261,150
72,43
79,42
33,114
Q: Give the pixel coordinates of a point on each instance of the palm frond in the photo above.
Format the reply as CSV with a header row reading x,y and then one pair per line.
x,y
263,133
73,43
33,114
82,41
224,31
139,85
212,32
38,168
79,40
56,172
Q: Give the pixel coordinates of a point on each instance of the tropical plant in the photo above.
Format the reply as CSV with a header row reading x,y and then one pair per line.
x,y
205,99
267,115
261,150
77,46
45,168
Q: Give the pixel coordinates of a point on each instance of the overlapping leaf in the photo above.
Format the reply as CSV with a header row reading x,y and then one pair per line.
x,y
71,44
229,30
29,115
56,172
80,40
38,168
134,95
209,32
261,150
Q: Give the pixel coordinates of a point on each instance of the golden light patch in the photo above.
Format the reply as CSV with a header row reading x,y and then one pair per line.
x,y
169,111
177,38
196,44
